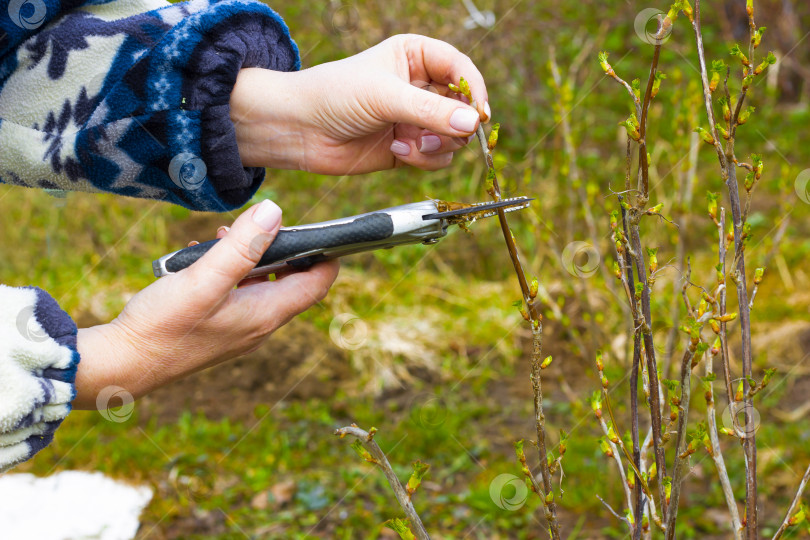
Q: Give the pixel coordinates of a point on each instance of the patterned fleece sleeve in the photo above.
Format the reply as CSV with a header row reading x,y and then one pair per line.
x,y
38,360
132,96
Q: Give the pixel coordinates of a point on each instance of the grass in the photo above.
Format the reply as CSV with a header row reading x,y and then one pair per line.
x,y
441,372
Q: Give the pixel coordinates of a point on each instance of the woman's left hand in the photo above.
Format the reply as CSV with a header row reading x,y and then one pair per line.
x,y
387,106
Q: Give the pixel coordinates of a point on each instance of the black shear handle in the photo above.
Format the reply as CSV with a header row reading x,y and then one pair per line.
x,y
291,242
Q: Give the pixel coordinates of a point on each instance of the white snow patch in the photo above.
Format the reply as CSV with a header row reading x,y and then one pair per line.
x,y
70,505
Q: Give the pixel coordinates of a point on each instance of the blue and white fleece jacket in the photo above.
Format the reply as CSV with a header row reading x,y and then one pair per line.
x,y
38,361
122,96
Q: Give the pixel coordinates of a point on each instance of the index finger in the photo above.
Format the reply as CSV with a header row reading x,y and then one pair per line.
x,y
435,60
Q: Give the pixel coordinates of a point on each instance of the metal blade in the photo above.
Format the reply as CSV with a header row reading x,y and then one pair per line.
x,y
481,210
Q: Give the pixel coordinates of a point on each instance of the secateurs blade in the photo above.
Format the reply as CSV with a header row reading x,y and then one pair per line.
x,y
302,246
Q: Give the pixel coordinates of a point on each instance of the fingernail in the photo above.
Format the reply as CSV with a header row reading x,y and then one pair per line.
x,y
470,138
464,119
430,143
223,228
487,112
400,148
267,215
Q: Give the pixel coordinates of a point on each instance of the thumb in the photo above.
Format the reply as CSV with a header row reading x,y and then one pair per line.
x,y
443,115
226,264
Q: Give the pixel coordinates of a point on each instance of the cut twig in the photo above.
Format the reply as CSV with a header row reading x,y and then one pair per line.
x,y
378,458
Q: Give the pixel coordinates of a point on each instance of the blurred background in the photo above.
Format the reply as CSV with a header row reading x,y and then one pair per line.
x,y
423,342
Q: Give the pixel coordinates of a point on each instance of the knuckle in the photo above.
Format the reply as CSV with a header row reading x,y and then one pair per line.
x,y
243,251
426,104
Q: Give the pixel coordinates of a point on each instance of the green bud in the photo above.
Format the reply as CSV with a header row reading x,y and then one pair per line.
x,y
493,136
716,347
659,76
745,115
653,256
769,373
360,449
715,80
603,56
736,51
726,108
749,181
712,197
687,10
799,516
490,181
465,88
705,135
419,471
401,527
614,219
756,39
632,127
605,447
756,160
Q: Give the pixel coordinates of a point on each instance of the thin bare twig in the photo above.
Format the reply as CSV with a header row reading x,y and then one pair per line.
x,y
536,323
680,446
729,173
379,459
641,272
786,522
717,454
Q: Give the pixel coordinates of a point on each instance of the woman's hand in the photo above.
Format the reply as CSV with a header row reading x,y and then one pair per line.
x,y
384,107
195,318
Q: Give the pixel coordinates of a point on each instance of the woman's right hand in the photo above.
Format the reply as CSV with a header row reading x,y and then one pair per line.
x,y
198,317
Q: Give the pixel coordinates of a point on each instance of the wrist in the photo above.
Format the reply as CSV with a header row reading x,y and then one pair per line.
x,y
106,360
267,109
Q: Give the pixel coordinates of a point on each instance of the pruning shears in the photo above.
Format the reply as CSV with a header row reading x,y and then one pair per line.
x,y
302,246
